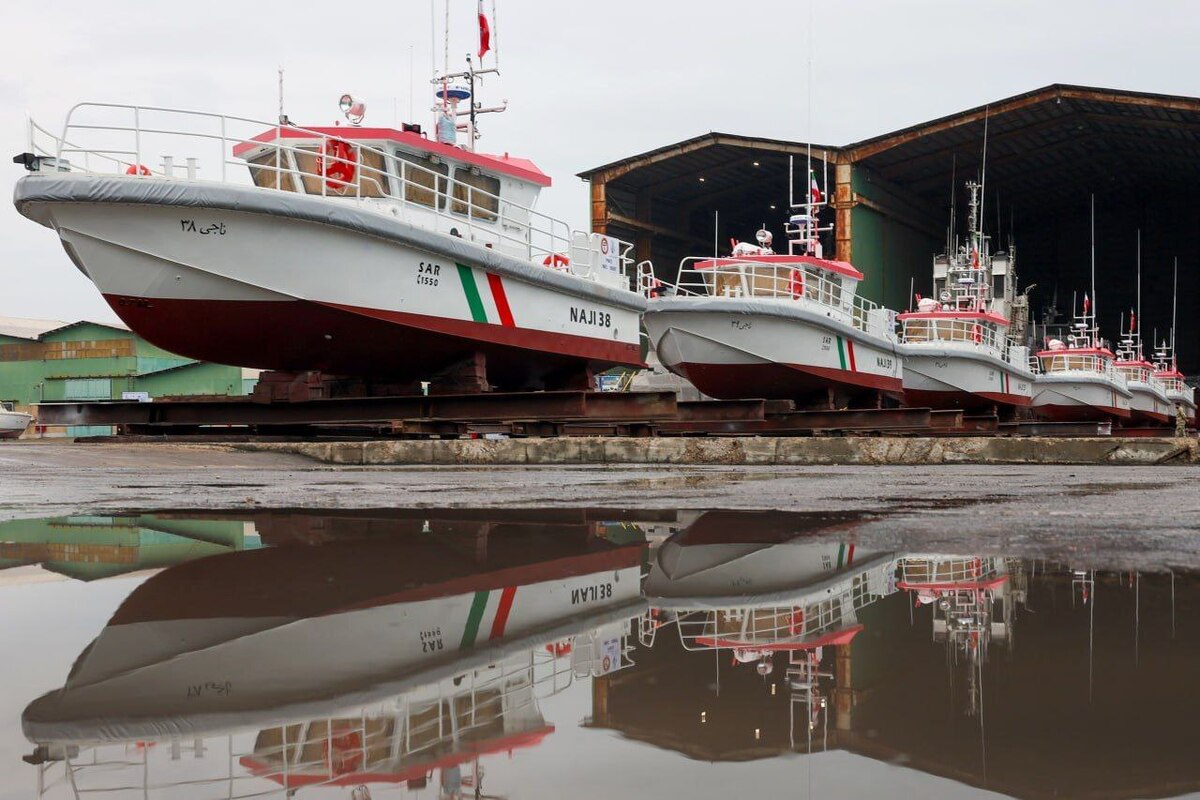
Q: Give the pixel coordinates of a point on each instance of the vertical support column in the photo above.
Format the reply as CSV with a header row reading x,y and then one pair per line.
x,y
642,247
843,203
843,693
600,687
599,206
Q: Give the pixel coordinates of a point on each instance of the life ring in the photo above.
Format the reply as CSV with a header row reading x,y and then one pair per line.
x,y
336,164
557,260
796,282
137,169
559,649
343,751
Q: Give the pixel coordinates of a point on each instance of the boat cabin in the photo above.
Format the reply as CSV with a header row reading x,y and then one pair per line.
x,y
488,198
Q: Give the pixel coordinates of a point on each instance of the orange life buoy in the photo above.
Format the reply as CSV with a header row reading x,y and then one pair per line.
x,y
336,164
557,260
343,751
137,169
796,282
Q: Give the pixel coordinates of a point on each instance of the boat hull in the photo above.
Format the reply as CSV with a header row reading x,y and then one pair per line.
x,y
732,350
13,424
944,378
1149,405
1079,398
320,284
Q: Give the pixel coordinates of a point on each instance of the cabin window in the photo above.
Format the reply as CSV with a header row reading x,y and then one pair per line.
x,y
370,174
265,175
477,193
424,181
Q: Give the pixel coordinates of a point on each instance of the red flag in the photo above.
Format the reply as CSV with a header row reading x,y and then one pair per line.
x,y
1087,305
485,32
814,190
1132,321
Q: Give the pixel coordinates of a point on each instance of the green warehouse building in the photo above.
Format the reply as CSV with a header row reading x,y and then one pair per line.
x,y
45,361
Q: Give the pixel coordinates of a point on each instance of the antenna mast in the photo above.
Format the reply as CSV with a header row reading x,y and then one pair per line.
x,y
1095,315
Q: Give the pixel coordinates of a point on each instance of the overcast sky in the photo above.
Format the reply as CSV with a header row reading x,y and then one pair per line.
x,y
587,82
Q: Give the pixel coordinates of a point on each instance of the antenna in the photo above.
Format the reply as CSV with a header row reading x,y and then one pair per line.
x,y
1139,291
953,204
983,175
1095,313
808,120
281,93
1174,308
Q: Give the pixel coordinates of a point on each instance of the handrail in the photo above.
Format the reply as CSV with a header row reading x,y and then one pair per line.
x,y
474,213
797,281
1066,361
959,333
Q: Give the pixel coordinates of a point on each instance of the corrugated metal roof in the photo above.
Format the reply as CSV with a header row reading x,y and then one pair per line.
x,y
25,328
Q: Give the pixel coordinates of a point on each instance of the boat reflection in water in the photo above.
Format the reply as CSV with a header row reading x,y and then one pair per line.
x,y
419,650
373,657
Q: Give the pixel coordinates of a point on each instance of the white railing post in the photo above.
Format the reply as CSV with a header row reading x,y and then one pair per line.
x,y
137,138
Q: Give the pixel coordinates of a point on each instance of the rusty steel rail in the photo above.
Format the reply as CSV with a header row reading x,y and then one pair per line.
x,y
800,422
498,407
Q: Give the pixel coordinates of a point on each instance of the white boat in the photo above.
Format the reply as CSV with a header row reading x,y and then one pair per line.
x,y
972,606
956,345
1077,380
1166,368
1178,392
213,644
1148,403
349,250
770,587
12,423
761,324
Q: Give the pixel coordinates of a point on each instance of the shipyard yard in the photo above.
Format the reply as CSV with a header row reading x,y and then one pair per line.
x,y
774,401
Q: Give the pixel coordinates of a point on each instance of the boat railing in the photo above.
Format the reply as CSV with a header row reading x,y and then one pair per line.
x,y
1174,385
1067,361
1142,375
955,331
748,628
917,571
147,142
778,280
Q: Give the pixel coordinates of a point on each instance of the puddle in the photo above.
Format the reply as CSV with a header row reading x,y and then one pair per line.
x,y
514,652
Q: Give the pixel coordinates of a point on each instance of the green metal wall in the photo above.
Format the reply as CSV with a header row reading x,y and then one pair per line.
x,y
892,255
146,369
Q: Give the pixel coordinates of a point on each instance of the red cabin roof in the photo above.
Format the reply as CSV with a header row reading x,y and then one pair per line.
x,y
520,168
840,267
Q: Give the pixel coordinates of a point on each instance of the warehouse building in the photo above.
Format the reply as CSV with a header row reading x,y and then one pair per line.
x,y
53,361
1048,152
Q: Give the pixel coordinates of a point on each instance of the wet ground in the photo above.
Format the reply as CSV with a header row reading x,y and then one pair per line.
x,y
194,622
1055,510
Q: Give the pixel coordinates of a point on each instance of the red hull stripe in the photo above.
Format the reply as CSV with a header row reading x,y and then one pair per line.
x,y
562,343
506,603
502,307
850,349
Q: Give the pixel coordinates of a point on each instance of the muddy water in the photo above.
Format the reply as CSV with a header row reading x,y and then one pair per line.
x,y
532,652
